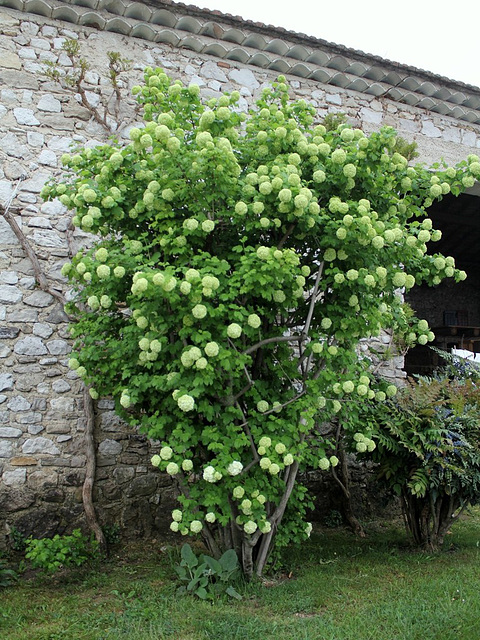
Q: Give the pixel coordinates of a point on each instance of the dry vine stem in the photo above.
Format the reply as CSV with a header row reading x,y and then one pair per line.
x,y
90,466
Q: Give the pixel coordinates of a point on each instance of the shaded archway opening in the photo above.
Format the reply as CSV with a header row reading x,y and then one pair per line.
x,y
451,309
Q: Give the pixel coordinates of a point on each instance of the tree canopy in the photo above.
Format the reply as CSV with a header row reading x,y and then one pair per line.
x,y
238,260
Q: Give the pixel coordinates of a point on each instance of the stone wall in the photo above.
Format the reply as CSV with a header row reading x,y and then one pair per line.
x,y
42,418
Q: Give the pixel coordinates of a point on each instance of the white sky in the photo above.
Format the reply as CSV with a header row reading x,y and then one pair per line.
x,y
435,35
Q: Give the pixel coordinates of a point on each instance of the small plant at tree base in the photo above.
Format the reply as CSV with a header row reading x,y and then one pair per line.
x,y
52,554
7,576
111,533
17,539
239,260
207,577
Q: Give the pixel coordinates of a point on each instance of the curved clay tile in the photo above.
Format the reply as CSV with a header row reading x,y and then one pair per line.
x,y
92,19
255,41
442,93
359,84
458,112
69,14
90,4
115,6
39,7
471,116
457,98
321,75
376,89
216,49
238,54
190,24
375,73
318,57
260,60
393,78
411,98
427,88
473,102
212,30
164,18
144,31
298,52
279,65
192,43
442,108
13,4
168,37
357,69
138,11
395,94
302,70
340,80
410,83
277,46
234,35
426,103
339,63
118,25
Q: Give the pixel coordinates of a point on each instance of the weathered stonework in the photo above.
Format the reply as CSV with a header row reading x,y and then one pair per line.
x,y
42,419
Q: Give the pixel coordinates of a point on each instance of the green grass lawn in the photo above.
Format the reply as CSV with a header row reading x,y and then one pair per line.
x,y
336,587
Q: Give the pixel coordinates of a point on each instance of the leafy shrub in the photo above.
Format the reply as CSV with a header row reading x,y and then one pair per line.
x,y
7,576
428,448
238,261
52,554
206,577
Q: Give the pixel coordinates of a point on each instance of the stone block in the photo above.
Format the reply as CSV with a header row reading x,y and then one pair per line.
x,y
10,294
15,478
16,500
30,346
6,449
23,461
110,448
49,103
10,432
142,486
25,116
18,403
42,479
40,445
10,60
6,381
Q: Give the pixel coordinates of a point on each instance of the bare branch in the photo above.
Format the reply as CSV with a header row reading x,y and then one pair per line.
x,y
262,343
90,466
37,269
313,297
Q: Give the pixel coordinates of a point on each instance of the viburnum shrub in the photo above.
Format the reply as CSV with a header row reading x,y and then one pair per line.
x,y
238,261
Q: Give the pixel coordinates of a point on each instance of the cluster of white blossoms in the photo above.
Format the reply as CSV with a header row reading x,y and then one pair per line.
x,y
185,402
363,443
125,400
234,330
325,463
234,468
210,474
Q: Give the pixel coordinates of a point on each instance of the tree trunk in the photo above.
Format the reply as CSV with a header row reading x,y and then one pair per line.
x,y
342,478
429,518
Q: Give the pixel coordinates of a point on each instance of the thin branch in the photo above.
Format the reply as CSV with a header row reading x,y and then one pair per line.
x,y
37,269
262,343
313,297
285,237
90,466
246,428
